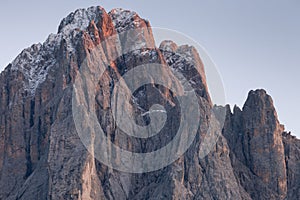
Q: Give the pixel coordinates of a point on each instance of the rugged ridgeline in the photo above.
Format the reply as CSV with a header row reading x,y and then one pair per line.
x,y
42,157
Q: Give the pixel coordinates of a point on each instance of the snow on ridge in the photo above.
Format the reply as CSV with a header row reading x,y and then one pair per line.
x,y
180,59
79,19
124,19
177,54
121,15
35,61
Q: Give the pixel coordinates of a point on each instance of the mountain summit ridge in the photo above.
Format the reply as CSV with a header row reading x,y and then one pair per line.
x,y
42,156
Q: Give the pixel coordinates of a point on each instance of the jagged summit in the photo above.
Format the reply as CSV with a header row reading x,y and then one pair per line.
x,y
168,45
80,19
43,157
259,106
35,61
30,61
258,98
122,18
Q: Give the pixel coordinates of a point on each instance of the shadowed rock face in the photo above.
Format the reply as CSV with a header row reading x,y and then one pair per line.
x,y
258,156
42,156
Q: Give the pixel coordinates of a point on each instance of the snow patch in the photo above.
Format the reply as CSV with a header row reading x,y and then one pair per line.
x,y
124,19
35,61
80,19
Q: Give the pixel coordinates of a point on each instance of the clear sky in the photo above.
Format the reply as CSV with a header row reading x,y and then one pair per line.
x,y
255,44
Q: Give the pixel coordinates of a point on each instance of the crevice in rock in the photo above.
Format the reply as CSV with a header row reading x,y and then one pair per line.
x,y
32,107
28,156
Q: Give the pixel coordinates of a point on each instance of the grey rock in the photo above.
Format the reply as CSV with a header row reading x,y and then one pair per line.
x,y
42,156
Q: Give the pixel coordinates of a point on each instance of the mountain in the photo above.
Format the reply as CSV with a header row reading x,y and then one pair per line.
x,y
45,101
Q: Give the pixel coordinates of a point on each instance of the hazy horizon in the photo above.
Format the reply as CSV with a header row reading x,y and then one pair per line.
x,y
255,45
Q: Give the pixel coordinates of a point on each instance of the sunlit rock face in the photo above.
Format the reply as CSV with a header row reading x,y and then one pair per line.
x,y
42,156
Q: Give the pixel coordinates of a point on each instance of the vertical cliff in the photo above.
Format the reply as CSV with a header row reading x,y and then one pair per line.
x,y
43,157
258,156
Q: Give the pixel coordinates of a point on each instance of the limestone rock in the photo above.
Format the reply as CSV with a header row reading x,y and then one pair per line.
x,y
43,157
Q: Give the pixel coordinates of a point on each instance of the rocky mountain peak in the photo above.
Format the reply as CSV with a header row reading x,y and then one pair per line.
x,y
126,19
255,135
186,60
260,109
80,19
236,109
43,157
168,45
259,99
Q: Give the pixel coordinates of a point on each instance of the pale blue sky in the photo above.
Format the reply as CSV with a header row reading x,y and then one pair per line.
x,y
255,44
